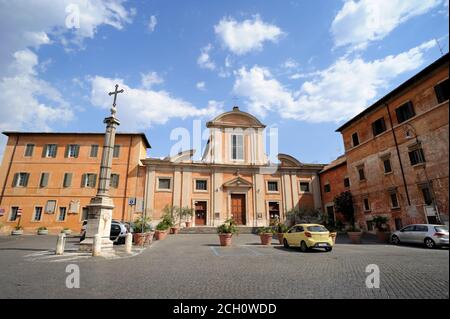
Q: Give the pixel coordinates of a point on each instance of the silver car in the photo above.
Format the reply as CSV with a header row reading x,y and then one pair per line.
x,y
430,235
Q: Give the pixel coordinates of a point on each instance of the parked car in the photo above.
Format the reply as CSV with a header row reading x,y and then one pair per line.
x,y
308,236
427,234
117,235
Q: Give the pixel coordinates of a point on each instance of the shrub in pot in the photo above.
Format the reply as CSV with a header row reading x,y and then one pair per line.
x,y
142,231
170,216
355,234
18,230
381,227
266,234
66,231
42,230
162,228
281,229
226,231
185,213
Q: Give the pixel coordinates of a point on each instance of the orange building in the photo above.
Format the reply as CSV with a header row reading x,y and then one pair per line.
x,y
397,152
47,179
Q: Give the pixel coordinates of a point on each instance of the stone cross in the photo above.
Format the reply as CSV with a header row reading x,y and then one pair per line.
x,y
116,91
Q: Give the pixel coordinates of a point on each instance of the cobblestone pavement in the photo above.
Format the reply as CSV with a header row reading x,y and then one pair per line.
x,y
194,266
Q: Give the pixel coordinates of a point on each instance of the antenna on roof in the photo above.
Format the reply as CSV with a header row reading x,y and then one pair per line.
x,y
439,46
235,99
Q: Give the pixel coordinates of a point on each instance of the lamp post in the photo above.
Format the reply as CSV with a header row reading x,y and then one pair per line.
x,y
412,134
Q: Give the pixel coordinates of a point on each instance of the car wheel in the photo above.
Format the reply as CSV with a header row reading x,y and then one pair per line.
x,y
285,243
303,247
328,249
430,243
395,240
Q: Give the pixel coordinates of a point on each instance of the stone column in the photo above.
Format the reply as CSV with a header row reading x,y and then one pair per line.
x,y
101,206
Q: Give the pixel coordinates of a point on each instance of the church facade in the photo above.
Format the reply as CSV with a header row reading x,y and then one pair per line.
x,y
234,178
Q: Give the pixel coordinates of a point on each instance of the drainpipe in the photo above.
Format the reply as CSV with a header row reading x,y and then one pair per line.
x,y
398,154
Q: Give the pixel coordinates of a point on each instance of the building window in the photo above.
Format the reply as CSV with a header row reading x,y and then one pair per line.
x,y
43,182
67,182
394,200
366,204
405,112
21,179
84,213
427,197
398,224
272,186
29,148
72,150
304,187
442,91
369,225
116,151
37,214
387,165
416,156
327,188
237,147
62,214
361,174
50,150
346,182
164,183
378,126
114,181
355,139
201,185
14,211
50,207
89,180
94,150
274,212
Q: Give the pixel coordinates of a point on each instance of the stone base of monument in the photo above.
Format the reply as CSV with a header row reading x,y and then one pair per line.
x,y
87,244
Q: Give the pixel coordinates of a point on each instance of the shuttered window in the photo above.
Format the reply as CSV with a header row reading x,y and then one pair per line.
x,y
29,150
94,150
67,182
442,91
43,182
50,150
237,147
405,112
272,186
88,180
114,181
72,150
21,179
378,127
116,151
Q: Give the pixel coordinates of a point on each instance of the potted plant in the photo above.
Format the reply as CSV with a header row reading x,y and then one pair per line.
x,y
343,203
162,227
171,213
185,213
142,231
226,231
266,234
42,230
281,229
18,230
381,227
66,230
333,232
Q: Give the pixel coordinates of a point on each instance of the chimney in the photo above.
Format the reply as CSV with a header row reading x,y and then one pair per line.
x,y
235,108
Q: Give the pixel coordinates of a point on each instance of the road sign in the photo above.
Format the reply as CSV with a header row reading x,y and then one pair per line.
x,y
132,201
19,212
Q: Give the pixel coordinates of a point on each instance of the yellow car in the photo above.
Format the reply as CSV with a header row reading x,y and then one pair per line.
x,y
308,236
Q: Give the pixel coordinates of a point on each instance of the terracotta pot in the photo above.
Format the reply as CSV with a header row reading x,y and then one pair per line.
x,y
333,236
149,238
174,230
266,239
225,239
42,232
280,238
383,236
160,234
17,232
188,224
139,238
355,236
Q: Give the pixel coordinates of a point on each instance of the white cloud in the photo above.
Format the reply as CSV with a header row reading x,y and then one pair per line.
x,y
290,64
359,23
152,23
141,108
149,79
334,94
204,60
248,35
201,86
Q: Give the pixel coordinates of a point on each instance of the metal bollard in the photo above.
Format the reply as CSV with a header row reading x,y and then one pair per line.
x,y
97,245
60,243
128,243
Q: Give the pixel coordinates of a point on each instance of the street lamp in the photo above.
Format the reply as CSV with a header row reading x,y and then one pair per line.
x,y
412,134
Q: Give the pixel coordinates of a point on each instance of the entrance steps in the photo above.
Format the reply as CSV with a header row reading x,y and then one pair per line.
x,y
213,230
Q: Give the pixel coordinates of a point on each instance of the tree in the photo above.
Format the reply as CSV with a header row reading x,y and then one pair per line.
x,y
304,215
343,203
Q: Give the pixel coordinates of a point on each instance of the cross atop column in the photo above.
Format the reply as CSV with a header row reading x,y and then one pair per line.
x,y
116,91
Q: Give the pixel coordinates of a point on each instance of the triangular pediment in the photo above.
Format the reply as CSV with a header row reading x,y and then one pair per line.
x,y
237,182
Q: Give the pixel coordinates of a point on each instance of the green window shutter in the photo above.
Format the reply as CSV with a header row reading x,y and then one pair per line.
x,y
44,180
27,176
77,150
14,183
66,153
44,150
94,180
83,180
56,150
67,179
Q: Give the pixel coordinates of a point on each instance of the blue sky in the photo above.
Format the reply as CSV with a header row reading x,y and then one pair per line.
x,y
304,67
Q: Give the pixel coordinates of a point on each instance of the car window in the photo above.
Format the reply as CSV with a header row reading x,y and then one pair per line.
x,y
441,229
421,228
299,229
317,229
408,228
115,227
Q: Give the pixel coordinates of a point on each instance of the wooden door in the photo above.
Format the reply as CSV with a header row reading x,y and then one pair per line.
x,y
200,213
238,208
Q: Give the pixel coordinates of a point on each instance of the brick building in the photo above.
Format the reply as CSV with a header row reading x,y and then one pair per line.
x,y
51,177
397,152
334,180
